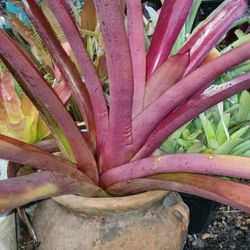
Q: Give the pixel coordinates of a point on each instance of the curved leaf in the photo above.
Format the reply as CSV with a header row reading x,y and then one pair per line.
x,y
138,52
165,76
233,166
26,154
230,193
211,31
18,191
172,17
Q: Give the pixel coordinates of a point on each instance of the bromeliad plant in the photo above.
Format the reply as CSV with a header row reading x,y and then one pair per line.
x,y
151,95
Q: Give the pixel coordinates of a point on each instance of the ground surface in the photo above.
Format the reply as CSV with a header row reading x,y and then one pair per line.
x,y
24,239
228,229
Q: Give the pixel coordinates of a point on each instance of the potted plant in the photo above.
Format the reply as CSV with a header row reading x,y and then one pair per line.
x,y
149,97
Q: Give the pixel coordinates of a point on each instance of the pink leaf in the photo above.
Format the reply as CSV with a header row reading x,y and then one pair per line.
x,y
27,154
212,30
165,76
138,52
18,191
233,166
63,91
119,140
171,20
230,193
61,88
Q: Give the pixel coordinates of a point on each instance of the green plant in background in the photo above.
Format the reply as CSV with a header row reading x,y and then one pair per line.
x,y
19,118
241,38
223,129
151,95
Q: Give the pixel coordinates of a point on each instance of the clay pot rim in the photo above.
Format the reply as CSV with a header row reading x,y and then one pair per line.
x,y
110,205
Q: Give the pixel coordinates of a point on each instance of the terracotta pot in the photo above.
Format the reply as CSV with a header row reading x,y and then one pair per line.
x,y
153,220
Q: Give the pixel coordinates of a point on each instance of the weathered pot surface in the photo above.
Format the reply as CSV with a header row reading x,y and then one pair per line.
x,y
152,220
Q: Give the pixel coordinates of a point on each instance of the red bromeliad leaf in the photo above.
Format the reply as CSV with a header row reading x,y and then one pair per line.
x,y
138,52
212,30
199,79
18,191
93,84
50,106
58,75
10,100
26,154
50,145
12,169
63,91
119,140
62,88
227,192
196,105
165,76
233,166
172,17
65,65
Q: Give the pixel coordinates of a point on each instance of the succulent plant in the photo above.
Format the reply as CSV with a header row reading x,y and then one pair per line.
x,y
19,117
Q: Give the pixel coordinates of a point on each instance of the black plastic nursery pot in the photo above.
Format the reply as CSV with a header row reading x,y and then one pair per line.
x,y
200,210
